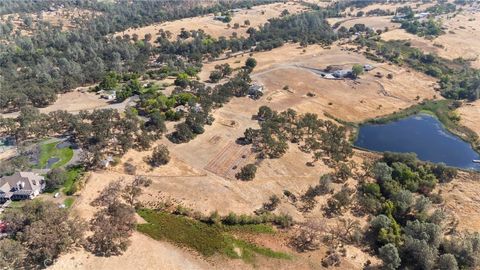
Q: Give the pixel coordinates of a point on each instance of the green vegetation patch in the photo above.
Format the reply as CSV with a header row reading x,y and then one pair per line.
x,y
69,202
204,238
73,174
49,150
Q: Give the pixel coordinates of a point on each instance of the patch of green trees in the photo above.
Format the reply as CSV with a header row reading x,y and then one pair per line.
x,y
406,232
318,137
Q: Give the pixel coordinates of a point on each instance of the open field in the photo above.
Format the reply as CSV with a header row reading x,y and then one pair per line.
x,y
375,22
257,15
200,174
462,200
66,17
348,100
418,6
162,255
181,215
78,100
470,115
460,38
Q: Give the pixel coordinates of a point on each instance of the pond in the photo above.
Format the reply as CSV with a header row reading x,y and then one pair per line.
x,y
52,161
422,134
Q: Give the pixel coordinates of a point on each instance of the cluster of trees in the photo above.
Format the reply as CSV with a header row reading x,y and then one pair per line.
x,y
247,172
114,223
456,78
306,28
35,68
220,72
321,138
37,233
430,28
209,98
379,12
441,8
405,231
160,156
154,104
100,133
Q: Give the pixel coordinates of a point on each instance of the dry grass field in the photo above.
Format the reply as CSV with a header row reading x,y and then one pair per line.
x,y
375,22
257,15
75,101
201,173
66,17
393,6
462,199
348,100
460,38
470,115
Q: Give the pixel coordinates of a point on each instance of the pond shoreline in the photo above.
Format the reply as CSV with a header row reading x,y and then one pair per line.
x,y
421,133
440,109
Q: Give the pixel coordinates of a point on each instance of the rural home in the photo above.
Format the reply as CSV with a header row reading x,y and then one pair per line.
x,y
255,89
367,67
109,95
342,73
220,18
21,186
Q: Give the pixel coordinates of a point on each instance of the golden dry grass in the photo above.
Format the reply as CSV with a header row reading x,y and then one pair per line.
x,y
460,38
470,115
62,16
257,15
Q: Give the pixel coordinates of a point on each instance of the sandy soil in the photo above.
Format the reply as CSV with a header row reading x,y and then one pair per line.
x,y
257,16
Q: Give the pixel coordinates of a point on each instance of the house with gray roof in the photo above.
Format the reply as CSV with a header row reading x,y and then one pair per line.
x,y
21,186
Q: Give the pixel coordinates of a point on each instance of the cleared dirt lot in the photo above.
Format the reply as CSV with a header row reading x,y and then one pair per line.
x,y
257,15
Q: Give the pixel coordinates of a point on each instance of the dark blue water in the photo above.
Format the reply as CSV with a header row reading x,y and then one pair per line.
x,y
51,161
421,134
